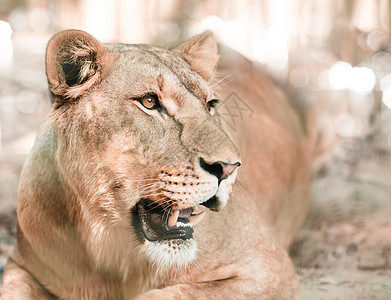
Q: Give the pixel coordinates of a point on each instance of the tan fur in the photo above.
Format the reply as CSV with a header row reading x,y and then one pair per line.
x,y
100,151
201,54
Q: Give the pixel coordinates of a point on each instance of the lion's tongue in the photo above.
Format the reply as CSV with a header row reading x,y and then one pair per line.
x,y
185,213
174,215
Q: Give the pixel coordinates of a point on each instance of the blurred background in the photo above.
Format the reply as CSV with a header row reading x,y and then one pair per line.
x,y
332,55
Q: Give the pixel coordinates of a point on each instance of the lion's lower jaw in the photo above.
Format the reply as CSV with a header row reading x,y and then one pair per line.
x,y
170,254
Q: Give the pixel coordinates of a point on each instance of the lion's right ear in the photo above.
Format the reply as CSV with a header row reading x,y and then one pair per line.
x,y
75,61
200,52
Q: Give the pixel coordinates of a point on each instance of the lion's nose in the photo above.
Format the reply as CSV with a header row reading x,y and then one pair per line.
x,y
219,169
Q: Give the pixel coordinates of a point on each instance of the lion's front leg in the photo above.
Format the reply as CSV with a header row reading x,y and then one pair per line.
x,y
269,275
19,284
232,288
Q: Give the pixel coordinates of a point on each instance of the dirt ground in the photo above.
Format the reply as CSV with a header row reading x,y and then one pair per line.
x,y
344,248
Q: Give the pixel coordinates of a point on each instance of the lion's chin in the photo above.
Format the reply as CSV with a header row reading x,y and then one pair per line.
x,y
170,254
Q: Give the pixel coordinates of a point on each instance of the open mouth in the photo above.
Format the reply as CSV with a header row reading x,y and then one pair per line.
x,y
153,223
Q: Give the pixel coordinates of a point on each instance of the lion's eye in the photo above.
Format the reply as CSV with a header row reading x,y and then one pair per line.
x,y
150,101
212,104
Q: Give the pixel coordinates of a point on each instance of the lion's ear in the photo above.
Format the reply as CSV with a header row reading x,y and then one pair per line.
x,y
200,52
75,61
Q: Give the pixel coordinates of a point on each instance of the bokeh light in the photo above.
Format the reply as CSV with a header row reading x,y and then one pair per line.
x,y
361,80
386,97
38,19
18,19
347,126
7,104
231,33
26,101
270,47
6,49
339,75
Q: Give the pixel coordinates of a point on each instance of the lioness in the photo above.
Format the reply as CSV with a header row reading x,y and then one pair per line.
x,y
134,153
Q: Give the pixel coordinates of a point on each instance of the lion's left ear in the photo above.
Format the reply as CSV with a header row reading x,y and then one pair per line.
x,y
75,61
200,52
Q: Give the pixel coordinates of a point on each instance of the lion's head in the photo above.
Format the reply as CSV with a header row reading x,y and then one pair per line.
x,y
139,144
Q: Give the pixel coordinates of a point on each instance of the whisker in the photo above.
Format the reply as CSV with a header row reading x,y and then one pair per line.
x,y
153,206
166,213
147,184
153,194
167,209
220,80
239,184
146,179
213,75
141,192
170,205
148,193
224,83
146,188
229,76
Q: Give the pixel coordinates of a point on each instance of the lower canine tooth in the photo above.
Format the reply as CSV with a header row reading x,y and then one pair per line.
x,y
173,218
195,219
